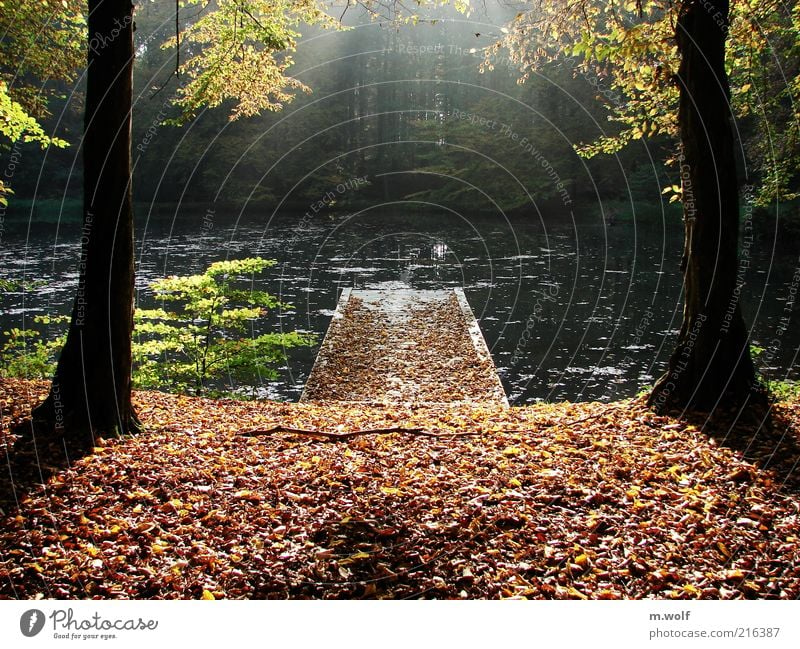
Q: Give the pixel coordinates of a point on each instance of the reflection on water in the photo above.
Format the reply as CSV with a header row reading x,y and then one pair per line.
x,y
570,310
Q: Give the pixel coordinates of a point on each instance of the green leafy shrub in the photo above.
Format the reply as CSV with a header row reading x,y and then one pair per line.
x,y
783,390
28,354
203,340
779,390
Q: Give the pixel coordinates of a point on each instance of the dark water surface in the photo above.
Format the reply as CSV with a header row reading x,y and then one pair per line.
x,y
570,307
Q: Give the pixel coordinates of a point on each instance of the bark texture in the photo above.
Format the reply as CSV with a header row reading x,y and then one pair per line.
x,y
91,389
711,363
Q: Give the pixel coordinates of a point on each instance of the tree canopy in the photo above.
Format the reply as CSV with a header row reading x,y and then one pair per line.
x,y
41,44
240,51
629,45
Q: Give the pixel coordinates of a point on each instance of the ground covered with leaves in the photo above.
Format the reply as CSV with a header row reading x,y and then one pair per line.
x,y
226,499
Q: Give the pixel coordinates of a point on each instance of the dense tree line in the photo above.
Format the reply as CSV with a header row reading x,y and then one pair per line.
x,y
388,102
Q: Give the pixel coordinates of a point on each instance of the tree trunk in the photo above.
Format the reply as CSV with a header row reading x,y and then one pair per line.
x,y
711,361
91,389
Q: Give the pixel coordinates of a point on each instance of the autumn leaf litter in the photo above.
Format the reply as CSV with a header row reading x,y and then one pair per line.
x,y
549,501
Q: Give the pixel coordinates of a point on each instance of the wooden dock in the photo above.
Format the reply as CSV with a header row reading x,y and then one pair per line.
x,y
406,346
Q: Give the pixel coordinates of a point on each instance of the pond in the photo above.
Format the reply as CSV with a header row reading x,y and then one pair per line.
x,y
571,308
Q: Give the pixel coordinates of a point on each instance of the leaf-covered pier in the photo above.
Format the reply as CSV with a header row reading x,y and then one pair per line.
x,y
399,345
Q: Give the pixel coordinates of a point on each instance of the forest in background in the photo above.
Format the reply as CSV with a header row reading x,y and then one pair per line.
x,y
400,106
411,109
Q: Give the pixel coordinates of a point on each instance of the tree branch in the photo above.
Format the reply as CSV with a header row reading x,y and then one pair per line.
x,y
349,434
